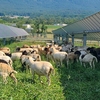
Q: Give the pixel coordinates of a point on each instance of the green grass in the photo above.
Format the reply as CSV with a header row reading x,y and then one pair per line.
x,y
52,27
69,83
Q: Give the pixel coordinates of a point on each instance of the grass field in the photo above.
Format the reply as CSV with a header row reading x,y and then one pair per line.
x,y
52,27
69,83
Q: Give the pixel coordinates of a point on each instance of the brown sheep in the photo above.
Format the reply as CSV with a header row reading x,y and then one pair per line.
x,y
6,70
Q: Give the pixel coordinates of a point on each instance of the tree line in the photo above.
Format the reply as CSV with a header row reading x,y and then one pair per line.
x,y
39,24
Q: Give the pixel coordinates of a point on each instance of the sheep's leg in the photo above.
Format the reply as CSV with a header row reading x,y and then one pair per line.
x,y
90,65
48,80
14,78
67,62
84,65
40,79
57,63
77,60
28,69
93,64
81,63
61,63
33,74
23,67
4,80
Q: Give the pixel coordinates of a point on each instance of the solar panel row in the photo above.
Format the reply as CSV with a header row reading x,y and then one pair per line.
x,y
9,31
89,25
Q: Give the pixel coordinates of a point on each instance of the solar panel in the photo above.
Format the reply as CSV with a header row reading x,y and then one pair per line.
x,y
89,25
9,31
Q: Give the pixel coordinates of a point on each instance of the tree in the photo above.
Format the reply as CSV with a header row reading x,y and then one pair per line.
x,y
43,29
19,24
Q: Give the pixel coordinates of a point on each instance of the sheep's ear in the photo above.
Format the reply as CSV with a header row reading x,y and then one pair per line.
x,y
28,57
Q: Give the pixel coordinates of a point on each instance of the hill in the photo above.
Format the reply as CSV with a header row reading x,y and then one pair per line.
x,y
70,7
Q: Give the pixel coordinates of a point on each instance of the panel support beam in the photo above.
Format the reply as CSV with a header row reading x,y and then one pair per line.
x,y
67,37
84,39
73,39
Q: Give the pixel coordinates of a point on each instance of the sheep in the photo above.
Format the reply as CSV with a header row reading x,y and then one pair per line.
x,y
57,55
5,71
23,59
19,49
87,58
71,57
32,46
16,55
5,49
37,57
25,46
35,50
7,59
67,47
94,51
41,50
41,68
47,52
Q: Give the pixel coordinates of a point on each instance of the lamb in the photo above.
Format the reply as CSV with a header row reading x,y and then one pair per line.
x,y
41,68
5,71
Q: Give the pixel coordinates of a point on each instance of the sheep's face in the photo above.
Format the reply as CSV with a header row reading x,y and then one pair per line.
x,y
29,59
77,53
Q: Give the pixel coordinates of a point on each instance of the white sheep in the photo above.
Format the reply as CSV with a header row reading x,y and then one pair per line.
x,y
23,59
36,57
5,71
41,68
58,55
16,55
86,58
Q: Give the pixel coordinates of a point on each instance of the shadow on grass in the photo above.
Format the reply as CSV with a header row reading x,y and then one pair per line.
x,y
80,83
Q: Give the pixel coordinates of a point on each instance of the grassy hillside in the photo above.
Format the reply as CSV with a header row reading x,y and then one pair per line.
x,y
69,83
70,7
